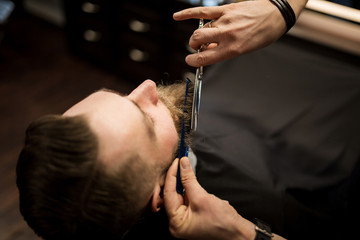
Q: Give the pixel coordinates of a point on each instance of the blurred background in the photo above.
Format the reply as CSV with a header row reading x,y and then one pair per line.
x,y
53,53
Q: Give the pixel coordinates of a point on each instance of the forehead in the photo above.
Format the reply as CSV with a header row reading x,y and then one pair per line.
x,y
96,101
117,122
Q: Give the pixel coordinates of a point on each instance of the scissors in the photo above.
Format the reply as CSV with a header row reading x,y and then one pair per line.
x,y
197,89
183,149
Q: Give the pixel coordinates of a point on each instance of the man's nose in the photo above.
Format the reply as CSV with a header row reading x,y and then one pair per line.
x,y
145,93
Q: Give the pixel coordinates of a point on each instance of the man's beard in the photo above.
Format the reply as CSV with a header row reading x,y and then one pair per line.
x,y
173,96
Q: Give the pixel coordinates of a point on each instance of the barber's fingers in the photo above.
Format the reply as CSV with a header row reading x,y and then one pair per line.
x,y
210,56
215,48
199,12
172,199
204,36
189,181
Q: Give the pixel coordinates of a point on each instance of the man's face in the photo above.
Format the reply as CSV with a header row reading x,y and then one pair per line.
x,y
138,123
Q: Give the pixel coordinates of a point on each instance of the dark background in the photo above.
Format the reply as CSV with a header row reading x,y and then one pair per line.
x,y
38,75
41,73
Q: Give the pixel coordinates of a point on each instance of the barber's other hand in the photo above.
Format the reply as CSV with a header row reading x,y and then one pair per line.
x,y
200,215
238,28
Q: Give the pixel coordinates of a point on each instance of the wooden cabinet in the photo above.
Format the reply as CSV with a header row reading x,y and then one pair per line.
x,y
137,39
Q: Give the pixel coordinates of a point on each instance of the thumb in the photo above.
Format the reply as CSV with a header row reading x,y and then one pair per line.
x,y
188,178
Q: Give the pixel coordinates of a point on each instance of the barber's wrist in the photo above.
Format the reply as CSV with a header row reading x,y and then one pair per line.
x,y
297,6
286,11
263,230
245,229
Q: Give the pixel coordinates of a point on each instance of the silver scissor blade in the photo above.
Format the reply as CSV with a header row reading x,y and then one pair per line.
x,y
197,91
196,99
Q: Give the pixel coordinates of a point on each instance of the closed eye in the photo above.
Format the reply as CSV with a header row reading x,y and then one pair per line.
x,y
149,121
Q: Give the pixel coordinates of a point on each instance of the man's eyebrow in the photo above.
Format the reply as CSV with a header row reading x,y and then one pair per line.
x,y
148,123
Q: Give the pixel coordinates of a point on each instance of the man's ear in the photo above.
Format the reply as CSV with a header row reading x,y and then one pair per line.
x,y
157,200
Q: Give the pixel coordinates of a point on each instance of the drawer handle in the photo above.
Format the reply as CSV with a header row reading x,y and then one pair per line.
x,y
92,36
89,7
138,55
138,26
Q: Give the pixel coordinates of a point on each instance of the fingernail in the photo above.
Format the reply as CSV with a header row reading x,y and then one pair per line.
x,y
185,163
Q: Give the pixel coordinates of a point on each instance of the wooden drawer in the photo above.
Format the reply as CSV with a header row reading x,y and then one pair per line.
x,y
138,38
94,8
93,39
139,49
142,58
139,19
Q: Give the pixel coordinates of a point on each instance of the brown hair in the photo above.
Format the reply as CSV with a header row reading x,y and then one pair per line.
x,y
173,97
67,193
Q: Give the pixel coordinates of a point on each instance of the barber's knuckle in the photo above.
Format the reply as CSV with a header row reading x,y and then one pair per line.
x,y
188,178
201,59
203,11
233,49
228,34
220,10
217,32
196,36
191,11
227,20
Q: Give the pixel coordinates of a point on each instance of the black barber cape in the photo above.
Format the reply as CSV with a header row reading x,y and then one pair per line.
x,y
279,138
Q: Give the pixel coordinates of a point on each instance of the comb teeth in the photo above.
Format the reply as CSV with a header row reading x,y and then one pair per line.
x,y
188,110
185,131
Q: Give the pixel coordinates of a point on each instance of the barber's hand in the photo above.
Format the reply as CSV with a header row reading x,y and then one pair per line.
x,y
200,215
237,28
